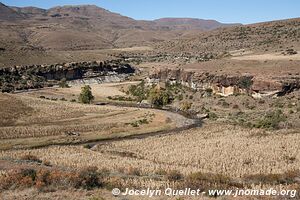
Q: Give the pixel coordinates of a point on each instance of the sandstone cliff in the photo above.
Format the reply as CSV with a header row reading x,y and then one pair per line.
x,y
227,84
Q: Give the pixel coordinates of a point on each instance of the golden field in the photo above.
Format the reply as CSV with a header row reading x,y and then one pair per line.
x,y
30,122
219,149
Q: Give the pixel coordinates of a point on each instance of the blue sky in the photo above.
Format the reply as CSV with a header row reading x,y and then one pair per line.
x,y
242,11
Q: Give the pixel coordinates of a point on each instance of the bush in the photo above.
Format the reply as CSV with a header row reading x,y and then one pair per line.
x,y
225,104
31,158
133,171
159,97
185,106
286,178
86,95
209,91
174,175
245,82
271,120
88,178
235,106
63,83
139,91
21,178
206,181
161,172
212,116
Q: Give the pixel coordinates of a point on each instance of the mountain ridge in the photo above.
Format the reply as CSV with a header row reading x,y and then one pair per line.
x,y
95,11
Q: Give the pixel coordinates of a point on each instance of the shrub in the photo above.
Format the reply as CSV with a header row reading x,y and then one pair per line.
x,y
209,92
185,106
31,158
42,179
271,120
133,171
47,163
139,91
161,172
159,97
7,88
63,83
235,106
261,101
286,178
180,97
174,175
86,95
212,116
87,146
206,181
88,178
245,82
143,121
225,104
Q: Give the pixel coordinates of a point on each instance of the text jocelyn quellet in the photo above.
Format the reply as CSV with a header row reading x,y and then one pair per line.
x,y
157,192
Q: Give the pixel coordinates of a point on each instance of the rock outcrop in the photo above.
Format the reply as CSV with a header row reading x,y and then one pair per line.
x,y
226,85
36,76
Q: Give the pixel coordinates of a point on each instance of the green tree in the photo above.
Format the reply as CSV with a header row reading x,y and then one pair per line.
x,y
86,95
139,91
159,97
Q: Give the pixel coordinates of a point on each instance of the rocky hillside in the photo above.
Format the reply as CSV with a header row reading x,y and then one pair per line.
x,y
277,35
226,85
8,14
37,76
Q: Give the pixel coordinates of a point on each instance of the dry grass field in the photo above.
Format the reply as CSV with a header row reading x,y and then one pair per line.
x,y
100,91
29,121
232,151
219,149
270,56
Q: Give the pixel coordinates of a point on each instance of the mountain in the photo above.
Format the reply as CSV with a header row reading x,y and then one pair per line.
x,y
190,24
8,14
34,32
29,11
87,27
65,33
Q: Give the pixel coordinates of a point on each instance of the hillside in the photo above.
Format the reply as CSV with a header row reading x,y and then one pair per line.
x,y
85,27
8,14
74,33
190,24
262,37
